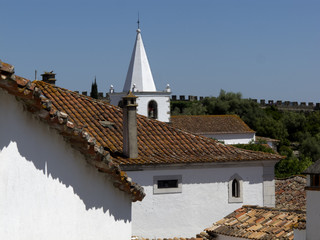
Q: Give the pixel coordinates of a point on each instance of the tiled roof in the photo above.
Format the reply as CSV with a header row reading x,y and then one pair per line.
x,y
158,142
254,222
42,107
314,168
211,124
173,238
290,193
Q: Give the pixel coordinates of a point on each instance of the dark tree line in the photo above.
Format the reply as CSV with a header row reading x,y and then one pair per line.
x,y
94,89
298,132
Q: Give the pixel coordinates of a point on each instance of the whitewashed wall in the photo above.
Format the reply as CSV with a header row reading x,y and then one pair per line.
x,y
143,99
235,138
203,201
48,191
163,106
313,215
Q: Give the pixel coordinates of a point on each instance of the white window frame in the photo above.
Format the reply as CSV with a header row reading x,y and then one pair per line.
x,y
157,190
233,199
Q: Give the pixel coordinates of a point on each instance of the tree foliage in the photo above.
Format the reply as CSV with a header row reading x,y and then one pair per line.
x,y
94,89
298,132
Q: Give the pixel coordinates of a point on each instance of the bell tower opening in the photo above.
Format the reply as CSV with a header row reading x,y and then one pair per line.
x,y
153,109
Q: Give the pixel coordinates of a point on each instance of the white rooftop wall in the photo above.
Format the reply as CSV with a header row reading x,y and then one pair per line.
x,y
233,138
163,102
313,215
48,191
203,200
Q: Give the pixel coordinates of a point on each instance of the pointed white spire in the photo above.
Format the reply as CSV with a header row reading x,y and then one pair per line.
x,y
139,72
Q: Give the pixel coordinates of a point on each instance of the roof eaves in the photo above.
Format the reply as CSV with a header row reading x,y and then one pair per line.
x,y
240,228
313,169
225,133
79,139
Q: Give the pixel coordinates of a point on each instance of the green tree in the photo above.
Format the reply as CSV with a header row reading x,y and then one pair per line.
x,y
298,131
196,108
94,89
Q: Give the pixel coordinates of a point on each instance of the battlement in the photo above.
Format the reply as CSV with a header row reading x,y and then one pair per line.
x,y
183,98
302,106
285,105
101,95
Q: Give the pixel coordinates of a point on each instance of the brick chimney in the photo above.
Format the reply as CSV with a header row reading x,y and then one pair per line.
x,y
130,141
49,77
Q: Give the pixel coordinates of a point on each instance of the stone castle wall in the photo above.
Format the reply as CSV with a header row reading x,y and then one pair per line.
x,y
289,105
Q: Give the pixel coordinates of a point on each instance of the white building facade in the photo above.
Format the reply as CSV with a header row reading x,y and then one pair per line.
x,y
312,231
182,199
233,138
48,190
151,103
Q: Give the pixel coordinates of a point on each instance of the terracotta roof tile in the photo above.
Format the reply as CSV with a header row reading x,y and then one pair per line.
x,y
278,225
290,193
211,124
173,238
48,109
158,142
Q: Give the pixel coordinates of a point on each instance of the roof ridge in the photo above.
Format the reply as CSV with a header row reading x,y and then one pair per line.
x,y
93,153
273,209
208,115
293,176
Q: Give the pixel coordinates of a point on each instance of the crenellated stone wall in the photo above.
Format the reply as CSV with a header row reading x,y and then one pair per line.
x,y
288,105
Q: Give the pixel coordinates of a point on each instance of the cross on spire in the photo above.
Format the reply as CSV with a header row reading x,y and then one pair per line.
x,y
138,21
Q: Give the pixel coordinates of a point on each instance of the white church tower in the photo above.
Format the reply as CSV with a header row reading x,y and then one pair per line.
x,y
151,103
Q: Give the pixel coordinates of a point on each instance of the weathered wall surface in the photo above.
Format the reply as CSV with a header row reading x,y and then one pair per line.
x,y
48,191
203,200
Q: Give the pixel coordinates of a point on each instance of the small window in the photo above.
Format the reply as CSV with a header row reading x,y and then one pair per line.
x,y
167,184
235,189
153,109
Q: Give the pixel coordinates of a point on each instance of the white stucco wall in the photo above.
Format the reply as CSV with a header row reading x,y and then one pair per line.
x,y
48,191
163,106
143,99
203,200
299,234
235,138
313,215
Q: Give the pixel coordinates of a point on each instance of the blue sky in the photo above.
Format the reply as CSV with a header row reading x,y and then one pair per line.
x,y
264,49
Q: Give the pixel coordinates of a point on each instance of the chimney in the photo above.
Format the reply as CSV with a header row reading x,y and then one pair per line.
x,y
49,77
130,141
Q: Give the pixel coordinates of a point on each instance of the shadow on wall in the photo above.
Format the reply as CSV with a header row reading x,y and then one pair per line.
x,y
50,153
